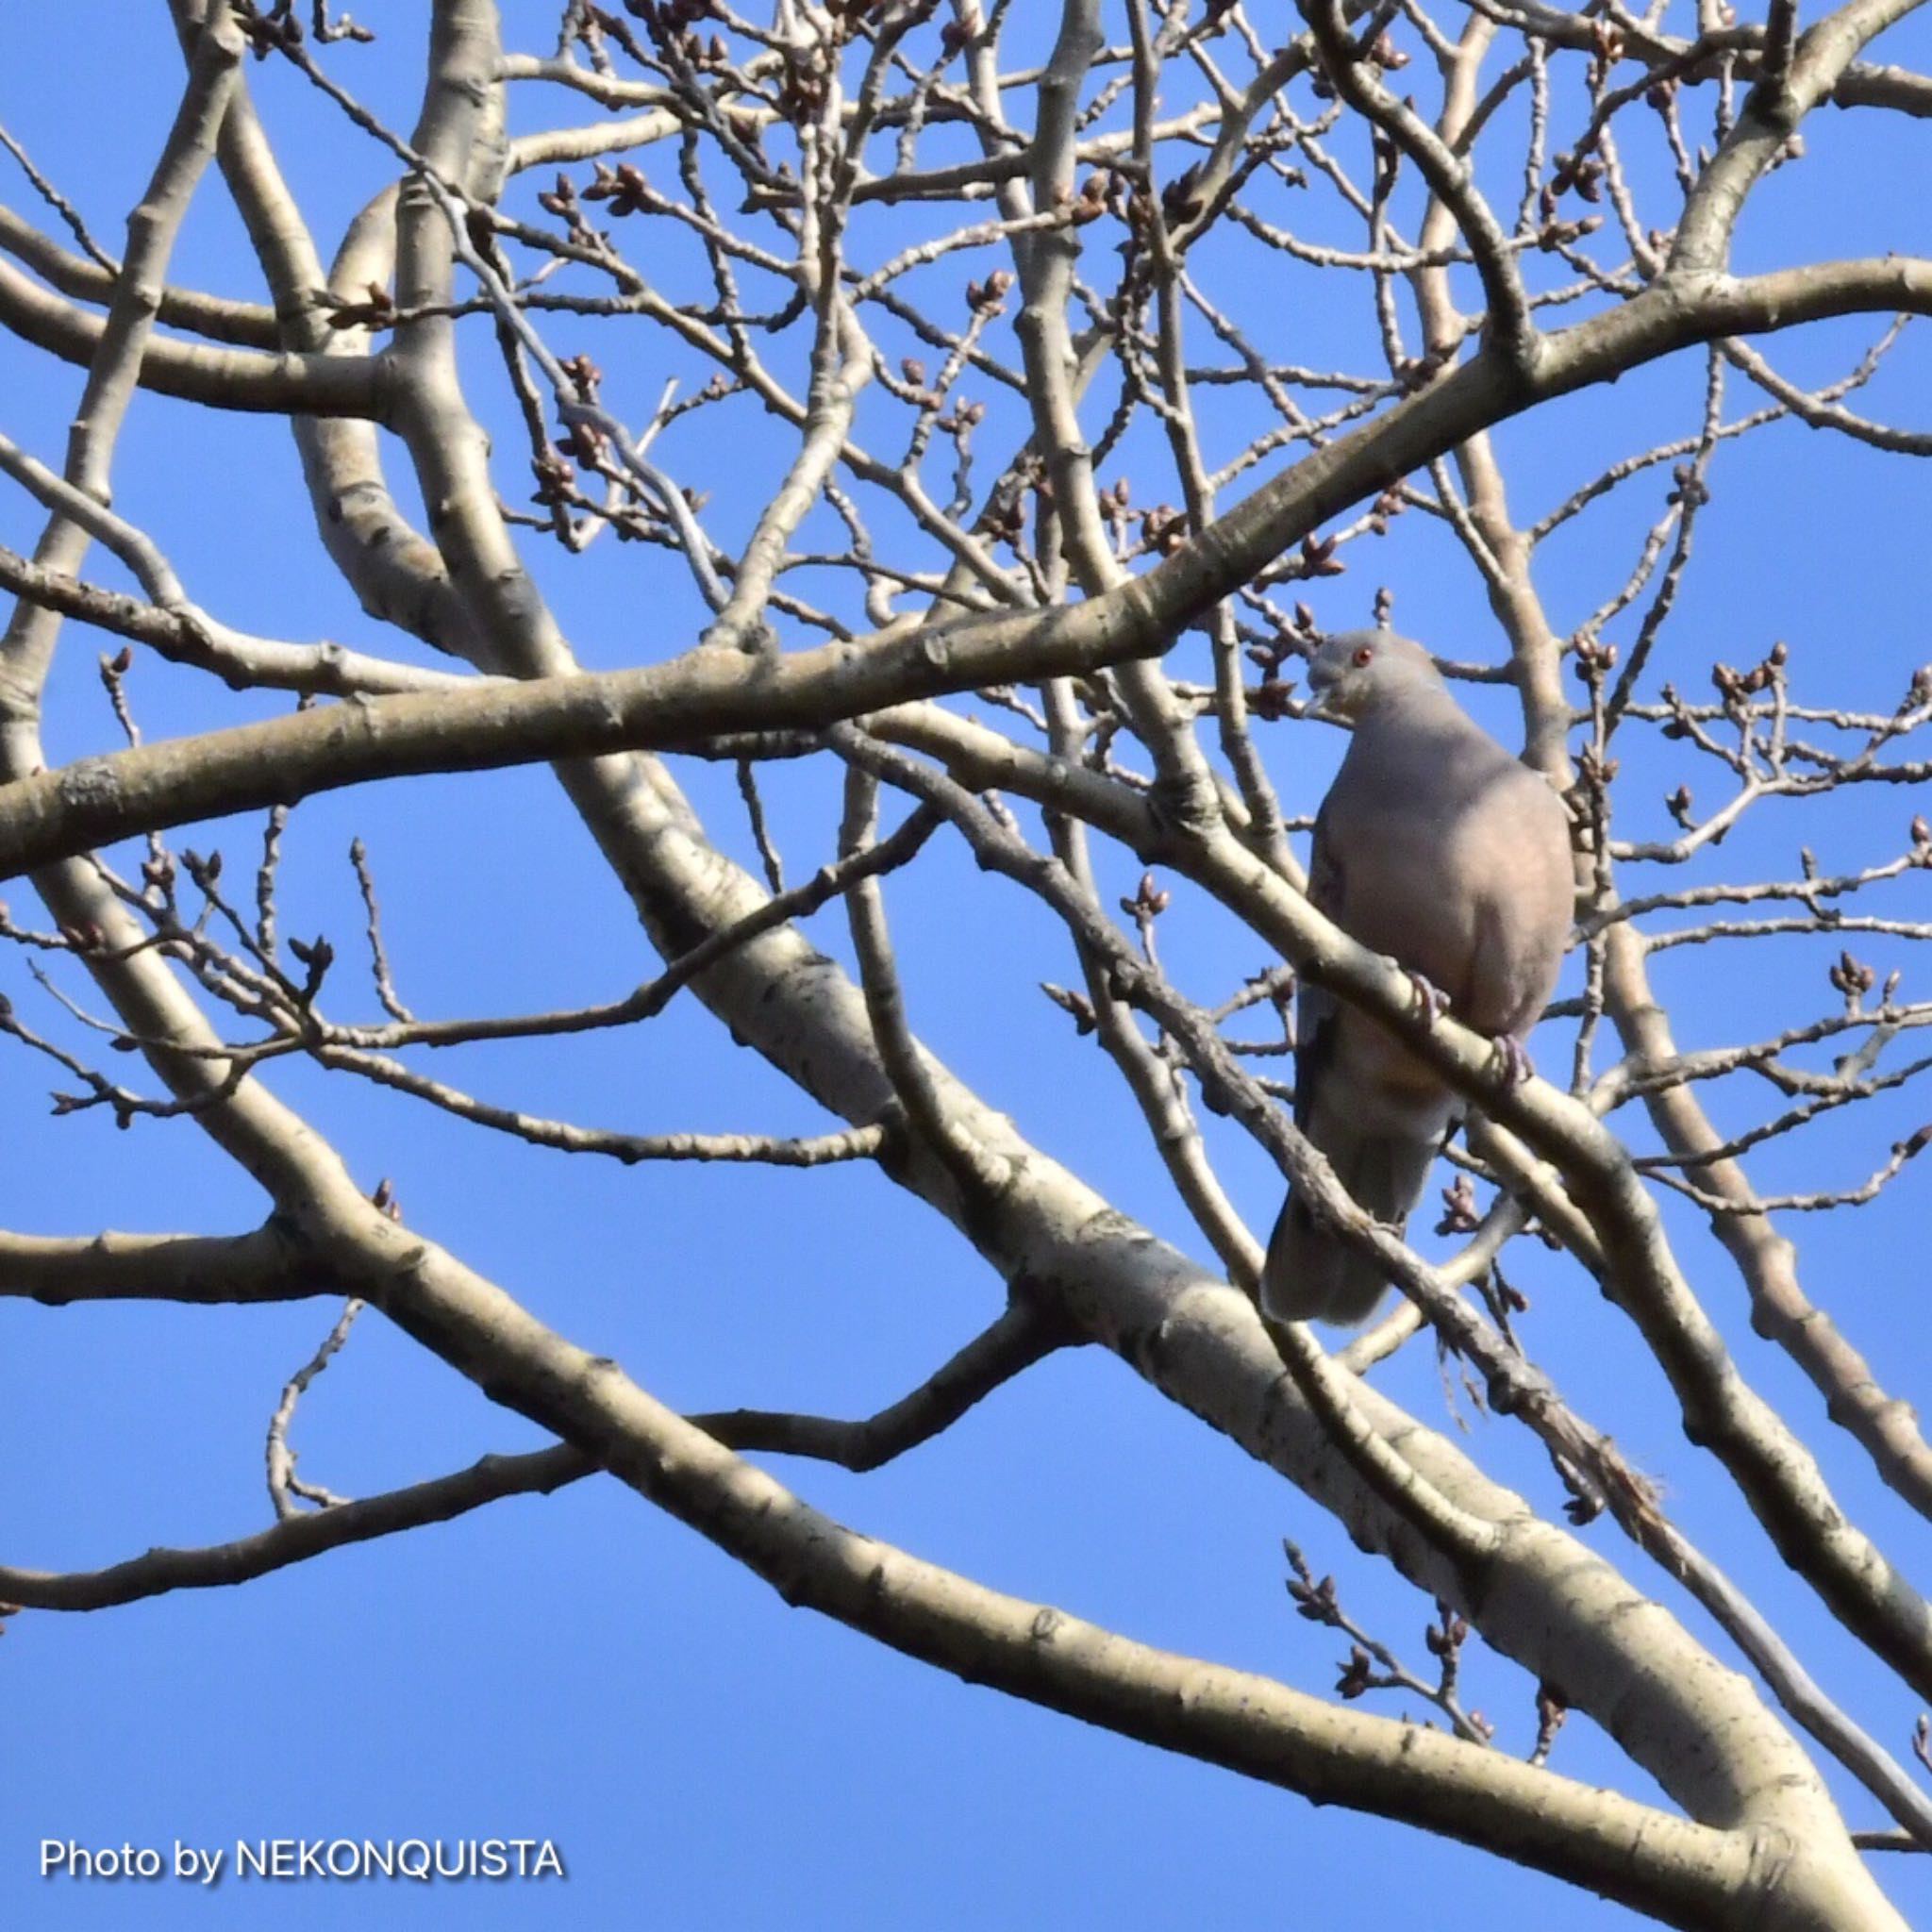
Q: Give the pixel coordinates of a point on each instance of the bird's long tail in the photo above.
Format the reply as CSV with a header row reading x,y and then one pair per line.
x,y
1311,1275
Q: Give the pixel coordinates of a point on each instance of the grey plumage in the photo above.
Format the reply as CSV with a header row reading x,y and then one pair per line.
x,y
1438,848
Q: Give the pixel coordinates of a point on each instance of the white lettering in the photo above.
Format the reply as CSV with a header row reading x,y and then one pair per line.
x,y
192,1862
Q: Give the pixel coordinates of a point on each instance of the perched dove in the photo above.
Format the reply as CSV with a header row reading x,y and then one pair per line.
x,y
1438,848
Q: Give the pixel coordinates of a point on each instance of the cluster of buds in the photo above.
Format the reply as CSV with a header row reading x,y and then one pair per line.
x,y
1004,519
1506,1294
1317,559
1596,771
1853,980
1074,1004
1554,234
1387,506
1687,486
585,375
1180,199
377,310
624,187
1459,1215
265,32
1445,1639
316,958
1109,191
988,297
556,477
84,939
565,206
582,441
1277,983
1357,1674
1680,724
804,86
1149,902
1922,841
341,28
1919,693
1594,658
1317,1602
1552,1707
963,418
1735,686
1298,639
846,15
1579,173
1271,698
1677,804
1089,205
674,19
1163,528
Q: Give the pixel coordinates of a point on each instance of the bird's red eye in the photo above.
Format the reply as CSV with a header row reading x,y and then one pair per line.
x,y
1363,654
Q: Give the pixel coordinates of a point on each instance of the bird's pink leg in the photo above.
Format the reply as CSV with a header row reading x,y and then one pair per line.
x,y
1429,1002
1514,1063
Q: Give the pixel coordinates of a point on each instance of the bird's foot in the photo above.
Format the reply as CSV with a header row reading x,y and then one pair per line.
x,y
1512,1061
1428,1002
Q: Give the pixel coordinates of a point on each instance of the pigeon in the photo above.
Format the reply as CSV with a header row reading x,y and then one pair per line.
x,y
1436,847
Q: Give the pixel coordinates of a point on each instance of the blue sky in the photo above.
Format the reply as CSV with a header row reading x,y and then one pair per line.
x,y
584,1669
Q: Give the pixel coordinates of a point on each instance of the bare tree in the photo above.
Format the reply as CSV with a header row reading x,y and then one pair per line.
x,y
941,278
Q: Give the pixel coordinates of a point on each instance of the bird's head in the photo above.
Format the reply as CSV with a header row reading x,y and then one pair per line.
x,y
1357,672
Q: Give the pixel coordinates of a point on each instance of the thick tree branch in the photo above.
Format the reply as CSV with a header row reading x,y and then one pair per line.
x,y
224,378
245,325
212,1270
109,798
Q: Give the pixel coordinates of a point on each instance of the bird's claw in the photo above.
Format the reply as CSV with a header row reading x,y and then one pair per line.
x,y
1514,1063
1428,1002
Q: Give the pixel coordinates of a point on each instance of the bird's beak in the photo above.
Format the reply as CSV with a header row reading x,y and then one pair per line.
x,y
1319,685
